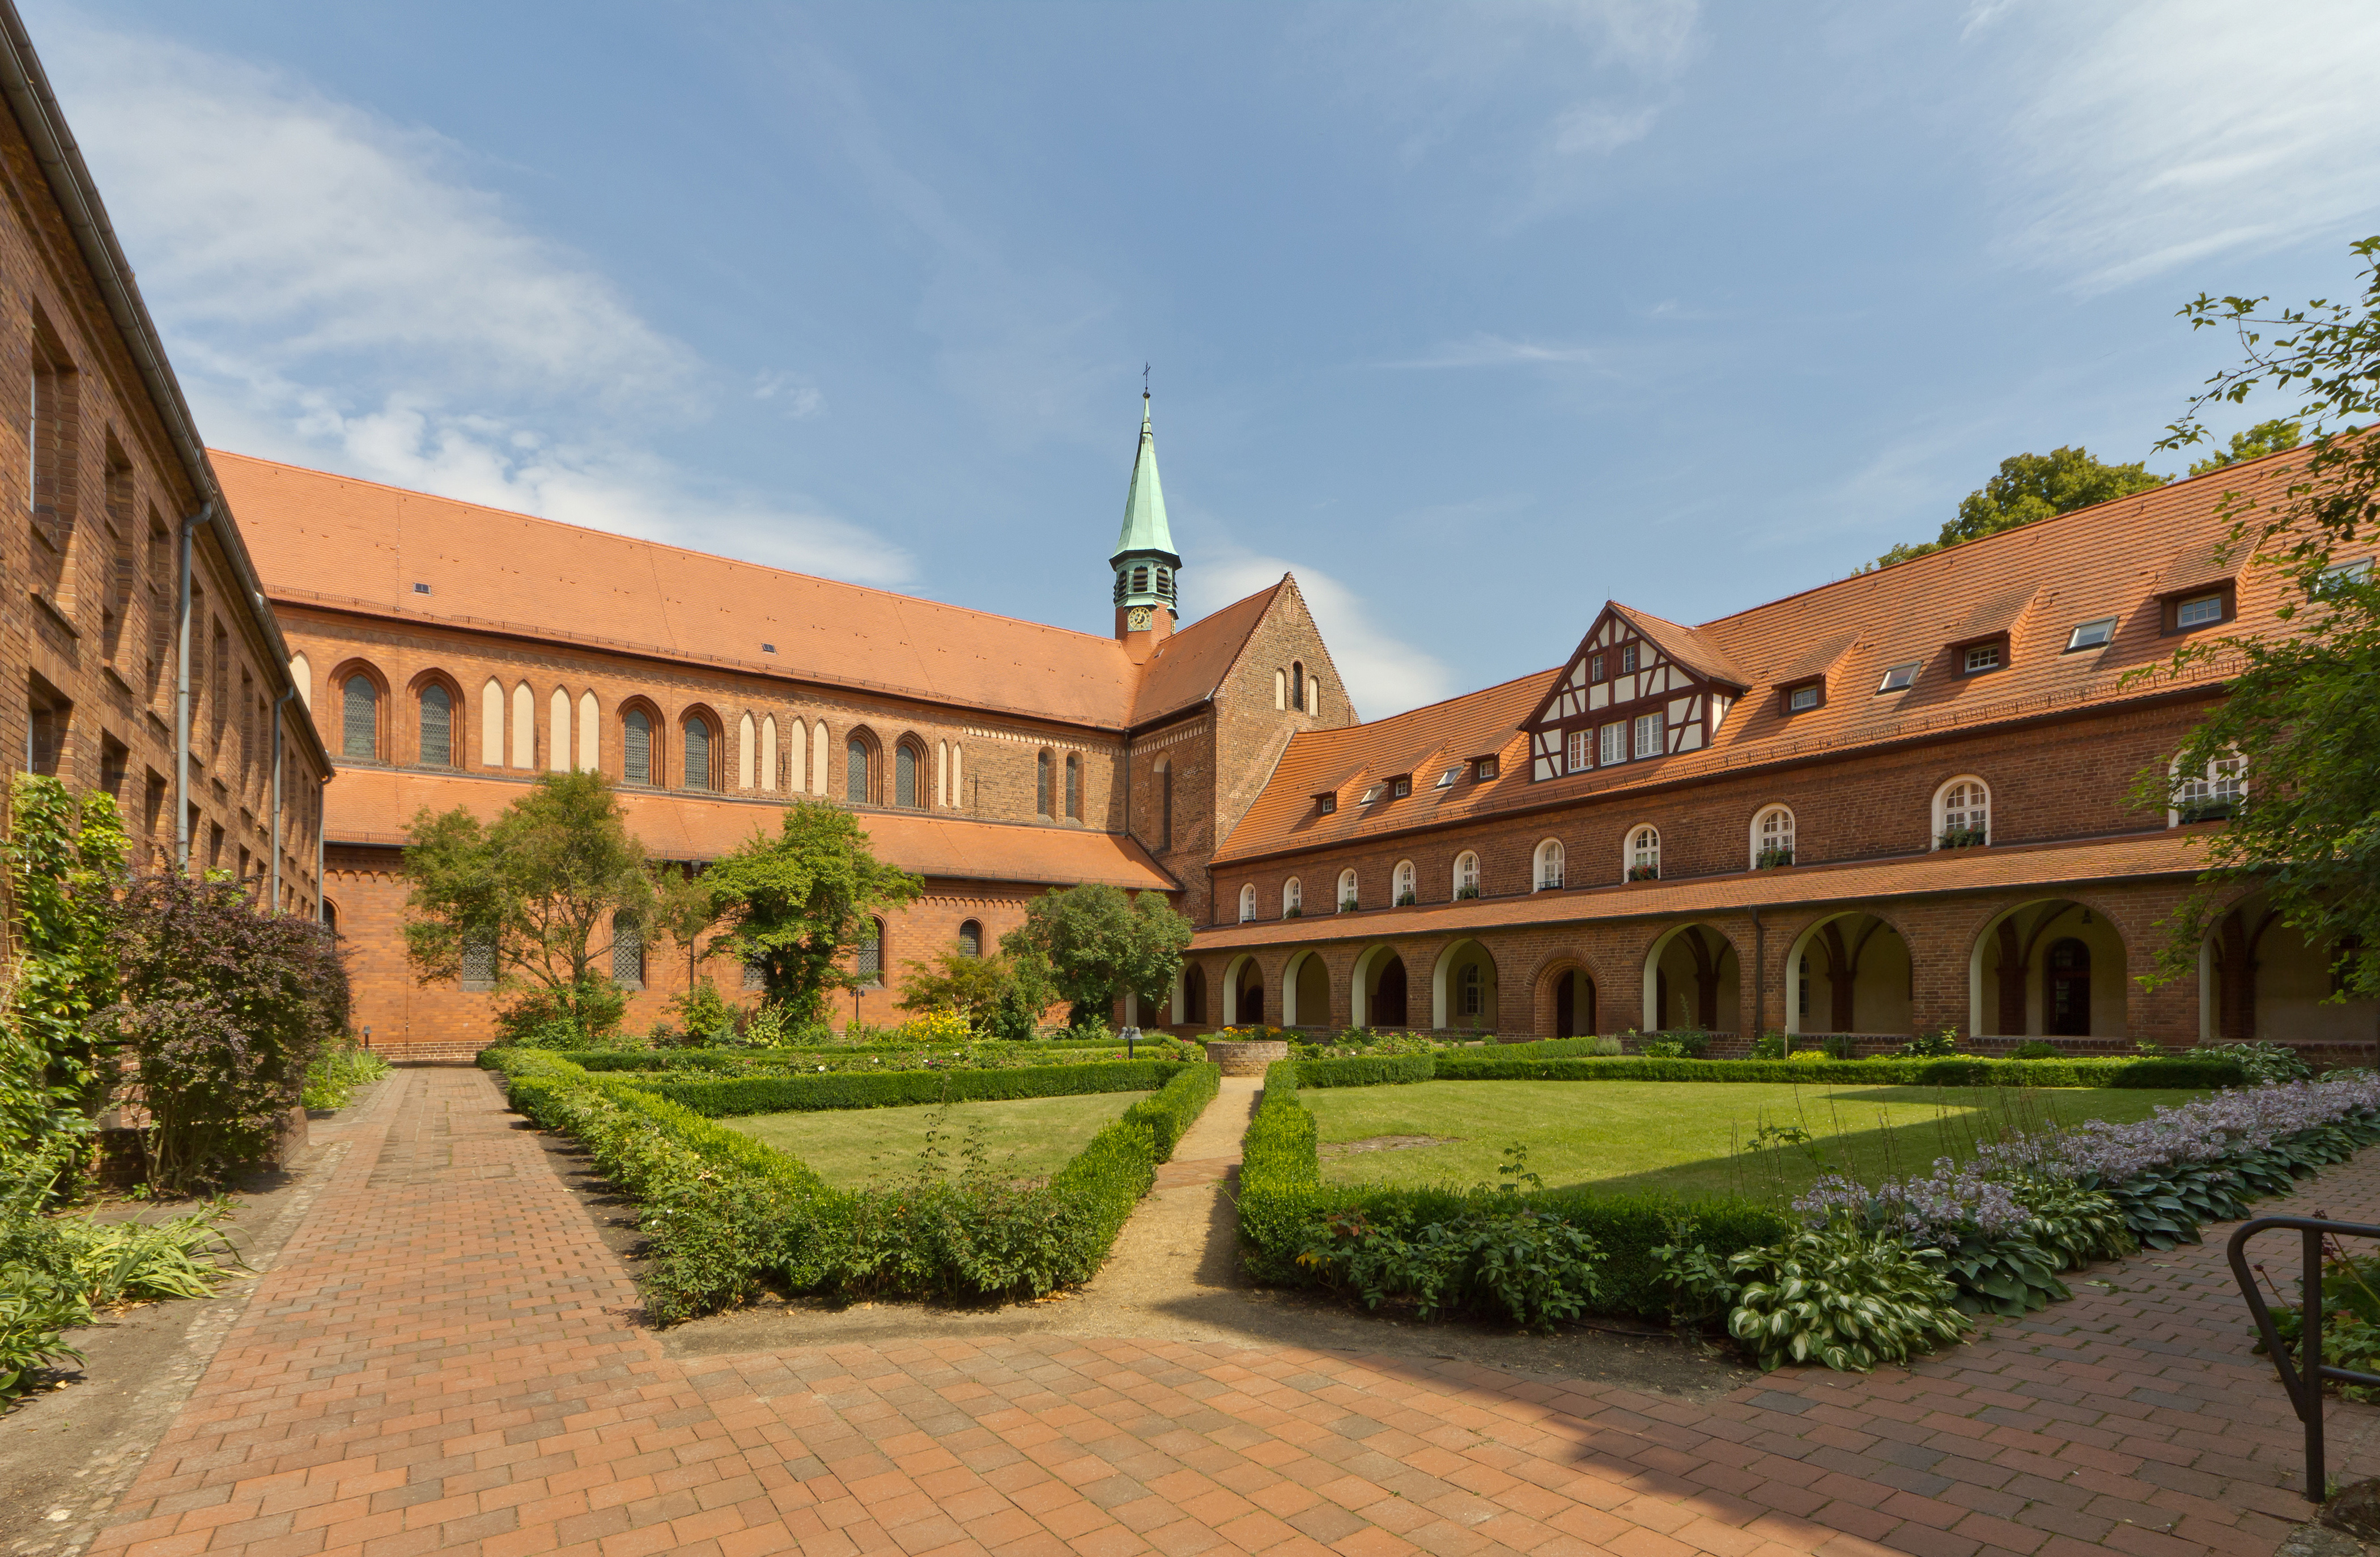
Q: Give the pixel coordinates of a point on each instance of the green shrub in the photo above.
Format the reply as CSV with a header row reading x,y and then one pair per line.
x,y
335,1073
36,1310
576,1016
2036,1049
727,1215
1843,1297
790,1094
1933,1045
1387,1069
2258,1063
1504,1065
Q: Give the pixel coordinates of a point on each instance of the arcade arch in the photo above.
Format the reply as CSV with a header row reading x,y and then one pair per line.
x,y
1377,994
1849,973
1306,991
2050,969
1463,988
1244,993
1691,980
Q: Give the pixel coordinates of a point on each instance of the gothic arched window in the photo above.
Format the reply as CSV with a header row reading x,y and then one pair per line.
x,y
437,726
637,748
358,718
697,754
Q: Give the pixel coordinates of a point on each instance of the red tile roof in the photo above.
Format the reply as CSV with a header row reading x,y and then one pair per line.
x,y
333,541
377,806
2165,852
2035,583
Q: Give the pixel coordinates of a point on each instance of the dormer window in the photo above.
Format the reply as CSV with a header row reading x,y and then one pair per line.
x,y
1326,802
2092,635
1400,787
1898,677
1484,768
1979,658
2198,611
1802,699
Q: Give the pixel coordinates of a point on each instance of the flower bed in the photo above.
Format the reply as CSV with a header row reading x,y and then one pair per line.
x,y
1859,1274
727,1216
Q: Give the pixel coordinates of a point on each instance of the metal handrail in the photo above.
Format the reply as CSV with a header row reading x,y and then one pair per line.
x,y
2302,1383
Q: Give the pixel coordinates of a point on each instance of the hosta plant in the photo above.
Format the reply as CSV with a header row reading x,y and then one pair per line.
x,y
1843,1297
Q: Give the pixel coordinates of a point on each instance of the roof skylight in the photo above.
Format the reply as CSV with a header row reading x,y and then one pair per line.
x,y
2092,635
1898,679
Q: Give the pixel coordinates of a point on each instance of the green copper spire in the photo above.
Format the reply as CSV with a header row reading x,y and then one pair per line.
x,y
1144,559
1144,508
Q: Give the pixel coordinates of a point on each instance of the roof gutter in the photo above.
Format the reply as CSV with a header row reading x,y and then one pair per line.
x,y
27,89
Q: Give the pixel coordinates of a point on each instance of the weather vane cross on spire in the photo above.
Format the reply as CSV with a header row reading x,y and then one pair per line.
x,y
1144,381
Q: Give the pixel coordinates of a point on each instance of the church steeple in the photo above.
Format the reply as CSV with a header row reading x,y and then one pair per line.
x,y
1145,562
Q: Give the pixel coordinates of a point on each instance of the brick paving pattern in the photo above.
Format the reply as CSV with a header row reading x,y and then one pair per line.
x,y
443,1360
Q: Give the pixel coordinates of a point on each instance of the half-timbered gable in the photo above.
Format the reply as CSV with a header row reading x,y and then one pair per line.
x,y
1637,687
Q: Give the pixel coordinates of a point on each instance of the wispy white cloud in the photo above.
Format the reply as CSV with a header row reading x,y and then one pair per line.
x,y
2147,136
335,291
1384,674
1498,351
800,399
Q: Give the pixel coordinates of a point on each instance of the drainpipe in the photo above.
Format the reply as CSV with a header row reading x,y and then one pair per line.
x,y
182,688
322,831
277,707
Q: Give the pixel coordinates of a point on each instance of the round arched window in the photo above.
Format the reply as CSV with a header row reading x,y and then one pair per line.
x,y
1772,837
1466,874
1347,892
1248,903
1550,864
1292,898
1962,814
1406,879
1644,854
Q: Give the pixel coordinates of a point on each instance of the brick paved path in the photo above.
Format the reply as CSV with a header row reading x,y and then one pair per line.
x,y
442,1360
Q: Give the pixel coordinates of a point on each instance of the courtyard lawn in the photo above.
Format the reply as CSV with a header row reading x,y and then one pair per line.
x,y
1030,1137
1687,1138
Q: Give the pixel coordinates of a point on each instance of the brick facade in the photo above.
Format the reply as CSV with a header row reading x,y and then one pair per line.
x,y
98,470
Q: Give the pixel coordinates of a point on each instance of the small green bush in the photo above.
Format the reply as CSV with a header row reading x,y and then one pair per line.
x,y
791,1094
337,1071
1843,1297
1384,1070
1504,1065
2037,1049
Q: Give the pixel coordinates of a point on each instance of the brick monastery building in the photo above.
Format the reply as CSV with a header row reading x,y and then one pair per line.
x,y
1892,803
138,653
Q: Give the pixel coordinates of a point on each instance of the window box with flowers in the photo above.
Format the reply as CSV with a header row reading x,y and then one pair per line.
x,y
1643,872
1964,838
1406,899
1346,904
1460,893
2222,808
1769,859
1292,912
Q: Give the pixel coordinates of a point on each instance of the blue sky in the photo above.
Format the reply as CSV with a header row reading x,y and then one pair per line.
x,y
1471,316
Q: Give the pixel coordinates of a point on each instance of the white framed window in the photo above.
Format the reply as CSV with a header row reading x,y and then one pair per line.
x,y
1484,770
1801,699
1347,897
1248,903
1649,735
1772,836
1582,750
2208,796
2342,575
1627,659
1613,743
1293,898
1962,813
1550,865
2092,635
1640,858
1594,667
1980,658
2199,610
1466,874
1406,878
1400,787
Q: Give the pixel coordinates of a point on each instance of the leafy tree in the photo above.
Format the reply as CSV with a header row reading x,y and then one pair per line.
x,y
2030,487
1100,946
2265,437
2304,713
539,888
797,905
1005,995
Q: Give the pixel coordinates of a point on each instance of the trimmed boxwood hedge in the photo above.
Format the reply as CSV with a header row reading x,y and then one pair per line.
x,y
727,1214
1283,1200
733,1061
1364,1070
1953,1071
899,1088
